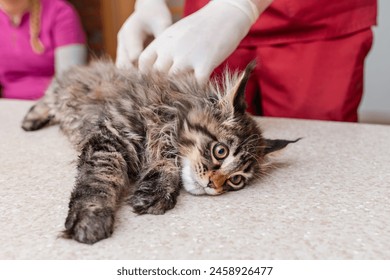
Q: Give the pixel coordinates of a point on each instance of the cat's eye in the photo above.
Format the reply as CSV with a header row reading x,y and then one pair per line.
x,y
236,180
220,151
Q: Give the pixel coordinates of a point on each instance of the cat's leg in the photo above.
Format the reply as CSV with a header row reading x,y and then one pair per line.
x,y
159,181
43,112
39,116
101,182
157,189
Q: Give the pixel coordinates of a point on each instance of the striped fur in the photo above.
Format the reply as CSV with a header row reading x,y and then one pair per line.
x,y
151,132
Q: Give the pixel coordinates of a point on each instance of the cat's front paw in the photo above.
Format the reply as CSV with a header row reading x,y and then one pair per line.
x,y
37,117
89,223
149,203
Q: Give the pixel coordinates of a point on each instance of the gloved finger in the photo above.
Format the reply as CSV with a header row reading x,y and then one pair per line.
x,y
122,59
130,44
180,67
162,22
163,63
202,75
146,60
160,27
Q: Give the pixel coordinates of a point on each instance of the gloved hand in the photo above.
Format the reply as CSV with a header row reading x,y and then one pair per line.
x,y
201,41
150,18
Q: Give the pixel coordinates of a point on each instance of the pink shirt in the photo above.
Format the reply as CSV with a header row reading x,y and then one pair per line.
x,y
23,73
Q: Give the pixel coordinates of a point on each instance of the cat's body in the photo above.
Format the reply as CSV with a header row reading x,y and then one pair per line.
x,y
153,132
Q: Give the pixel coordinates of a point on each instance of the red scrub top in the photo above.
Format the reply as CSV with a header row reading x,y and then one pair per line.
x,y
302,20
310,57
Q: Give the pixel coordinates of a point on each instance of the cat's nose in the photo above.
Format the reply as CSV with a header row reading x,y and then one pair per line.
x,y
218,180
218,190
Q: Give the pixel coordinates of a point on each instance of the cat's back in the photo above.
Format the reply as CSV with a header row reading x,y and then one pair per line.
x,y
102,87
96,82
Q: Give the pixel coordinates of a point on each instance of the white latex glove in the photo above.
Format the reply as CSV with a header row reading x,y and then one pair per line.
x,y
201,41
150,18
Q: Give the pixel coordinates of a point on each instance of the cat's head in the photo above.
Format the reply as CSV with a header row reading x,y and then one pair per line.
x,y
221,146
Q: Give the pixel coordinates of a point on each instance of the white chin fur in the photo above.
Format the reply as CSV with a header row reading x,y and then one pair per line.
x,y
189,183
192,185
211,191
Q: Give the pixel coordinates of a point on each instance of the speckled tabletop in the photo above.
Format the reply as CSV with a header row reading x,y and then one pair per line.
x,y
329,198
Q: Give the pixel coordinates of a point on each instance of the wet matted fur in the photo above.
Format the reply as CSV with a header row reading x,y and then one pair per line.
x,y
143,137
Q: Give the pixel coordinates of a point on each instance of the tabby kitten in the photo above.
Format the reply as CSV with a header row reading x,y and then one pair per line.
x,y
143,137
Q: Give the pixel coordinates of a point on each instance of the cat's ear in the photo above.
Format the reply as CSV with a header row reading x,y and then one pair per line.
x,y
237,94
273,145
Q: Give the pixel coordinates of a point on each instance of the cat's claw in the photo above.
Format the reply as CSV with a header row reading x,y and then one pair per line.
x,y
89,225
145,203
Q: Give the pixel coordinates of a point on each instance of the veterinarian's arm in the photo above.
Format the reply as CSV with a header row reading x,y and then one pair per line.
x,y
149,19
201,41
68,56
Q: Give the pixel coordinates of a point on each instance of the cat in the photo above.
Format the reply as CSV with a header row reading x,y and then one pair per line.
x,y
144,137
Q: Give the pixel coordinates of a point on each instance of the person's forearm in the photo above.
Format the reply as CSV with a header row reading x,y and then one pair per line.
x,y
252,8
260,6
260,3
68,56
